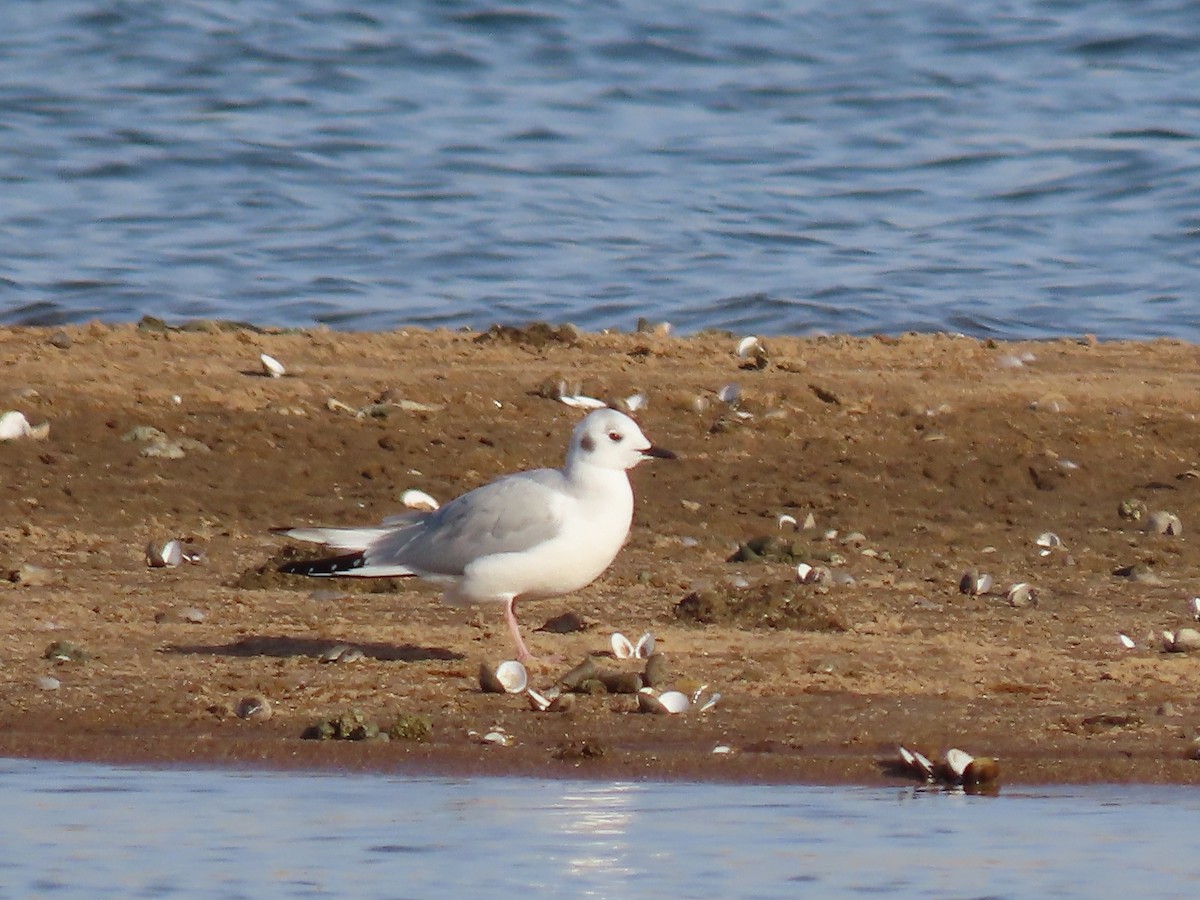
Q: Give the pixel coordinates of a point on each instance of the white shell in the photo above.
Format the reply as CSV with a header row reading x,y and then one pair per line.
x,y
1048,541
496,737
747,345
634,402
666,703
1196,608
1126,641
958,760
537,701
721,749
709,703
13,425
622,647
786,520
917,760
414,499
579,401
1022,594
167,555
645,646
272,367
674,701
512,675
730,394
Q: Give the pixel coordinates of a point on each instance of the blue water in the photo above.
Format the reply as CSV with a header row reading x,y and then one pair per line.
x,y
1018,169
89,831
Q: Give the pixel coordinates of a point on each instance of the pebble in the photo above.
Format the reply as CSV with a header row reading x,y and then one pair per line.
x,y
31,575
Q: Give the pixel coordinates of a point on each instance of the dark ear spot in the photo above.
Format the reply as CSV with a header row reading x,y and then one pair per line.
x,y
587,443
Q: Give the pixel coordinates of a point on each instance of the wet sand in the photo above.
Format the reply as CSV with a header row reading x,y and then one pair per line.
x,y
918,458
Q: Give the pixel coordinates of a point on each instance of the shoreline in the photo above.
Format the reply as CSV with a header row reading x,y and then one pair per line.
x,y
919,457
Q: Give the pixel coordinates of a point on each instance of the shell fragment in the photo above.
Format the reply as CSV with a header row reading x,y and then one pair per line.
x,y
414,499
272,367
14,426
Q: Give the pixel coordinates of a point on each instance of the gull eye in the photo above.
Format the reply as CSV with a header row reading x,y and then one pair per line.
x,y
616,437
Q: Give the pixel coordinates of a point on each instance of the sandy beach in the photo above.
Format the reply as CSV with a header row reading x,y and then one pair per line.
x,y
912,460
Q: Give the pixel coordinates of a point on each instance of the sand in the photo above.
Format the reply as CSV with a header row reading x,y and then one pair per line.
x,y
917,458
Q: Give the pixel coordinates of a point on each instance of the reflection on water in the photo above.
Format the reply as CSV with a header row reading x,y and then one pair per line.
x,y
75,830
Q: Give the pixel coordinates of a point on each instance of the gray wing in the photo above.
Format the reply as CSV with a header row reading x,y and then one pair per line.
x,y
508,515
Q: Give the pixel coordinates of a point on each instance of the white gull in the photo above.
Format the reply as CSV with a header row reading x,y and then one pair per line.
x,y
535,534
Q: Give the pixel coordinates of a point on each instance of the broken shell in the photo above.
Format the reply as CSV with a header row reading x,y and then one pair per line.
x,y
1022,594
786,520
635,402
414,499
538,702
167,555
272,367
752,348
341,653
509,677
1196,608
1126,641
579,401
730,394
1048,541
1163,522
709,703
973,583
807,574
496,736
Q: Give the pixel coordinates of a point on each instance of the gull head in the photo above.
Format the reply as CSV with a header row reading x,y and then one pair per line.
x,y
611,440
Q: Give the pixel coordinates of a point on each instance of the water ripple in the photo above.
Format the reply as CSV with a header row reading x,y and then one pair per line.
x,y
1025,171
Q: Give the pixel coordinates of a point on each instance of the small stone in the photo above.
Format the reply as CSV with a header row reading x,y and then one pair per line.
x,y
31,575
1187,640
60,339
255,708
48,683
1132,510
1163,522
410,728
65,651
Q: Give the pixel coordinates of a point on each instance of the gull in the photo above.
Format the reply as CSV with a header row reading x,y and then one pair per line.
x,y
535,534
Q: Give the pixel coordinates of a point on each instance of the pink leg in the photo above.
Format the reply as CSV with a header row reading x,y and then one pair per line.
x,y
510,616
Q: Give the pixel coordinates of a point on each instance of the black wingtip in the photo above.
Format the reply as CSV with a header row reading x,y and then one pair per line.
x,y
333,565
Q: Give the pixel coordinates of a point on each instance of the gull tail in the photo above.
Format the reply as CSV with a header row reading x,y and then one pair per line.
x,y
337,538
333,565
